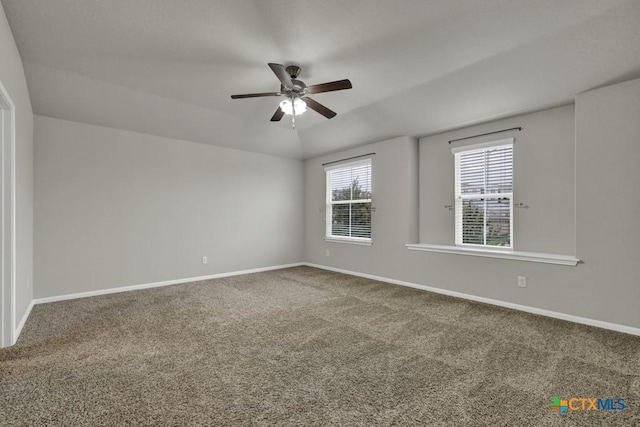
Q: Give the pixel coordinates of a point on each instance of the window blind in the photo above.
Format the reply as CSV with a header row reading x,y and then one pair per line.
x,y
349,195
484,195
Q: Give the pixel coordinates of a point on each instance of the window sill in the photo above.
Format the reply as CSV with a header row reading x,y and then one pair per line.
x,y
514,255
348,241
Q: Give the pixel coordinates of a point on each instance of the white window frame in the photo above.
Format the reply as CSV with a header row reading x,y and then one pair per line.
x,y
459,198
329,203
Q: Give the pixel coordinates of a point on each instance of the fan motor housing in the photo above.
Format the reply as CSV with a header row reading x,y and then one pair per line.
x,y
298,85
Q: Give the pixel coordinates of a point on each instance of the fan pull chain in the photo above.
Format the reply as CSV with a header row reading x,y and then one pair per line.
x,y
293,116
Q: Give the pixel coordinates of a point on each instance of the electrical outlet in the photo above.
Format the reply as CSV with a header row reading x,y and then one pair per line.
x,y
522,281
326,252
205,260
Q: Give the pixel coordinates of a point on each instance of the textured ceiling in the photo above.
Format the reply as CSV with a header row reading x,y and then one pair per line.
x,y
418,67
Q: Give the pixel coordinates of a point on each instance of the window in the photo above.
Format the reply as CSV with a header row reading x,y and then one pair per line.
x,y
484,194
348,212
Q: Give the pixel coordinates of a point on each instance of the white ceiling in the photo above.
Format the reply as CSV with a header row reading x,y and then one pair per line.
x,y
418,67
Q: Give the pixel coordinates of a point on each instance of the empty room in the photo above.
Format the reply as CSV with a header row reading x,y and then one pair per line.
x,y
320,213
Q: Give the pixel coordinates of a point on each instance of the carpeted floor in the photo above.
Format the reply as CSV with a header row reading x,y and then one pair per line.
x,y
303,346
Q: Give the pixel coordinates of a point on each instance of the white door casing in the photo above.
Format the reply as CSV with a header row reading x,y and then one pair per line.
x,y
8,220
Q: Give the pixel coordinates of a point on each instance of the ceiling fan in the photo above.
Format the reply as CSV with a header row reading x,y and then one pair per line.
x,y
296,93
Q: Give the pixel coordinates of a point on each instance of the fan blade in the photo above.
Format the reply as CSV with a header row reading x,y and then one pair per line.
x,y
331,86
314,105
255,95
281,74
277,116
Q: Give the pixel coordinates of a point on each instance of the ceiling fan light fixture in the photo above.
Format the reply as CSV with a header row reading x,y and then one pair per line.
x,y
295,94
288,106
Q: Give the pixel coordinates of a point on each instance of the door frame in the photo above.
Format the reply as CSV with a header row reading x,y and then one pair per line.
x,y
8,219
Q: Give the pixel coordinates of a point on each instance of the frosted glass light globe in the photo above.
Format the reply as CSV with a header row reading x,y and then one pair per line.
x,y
300,106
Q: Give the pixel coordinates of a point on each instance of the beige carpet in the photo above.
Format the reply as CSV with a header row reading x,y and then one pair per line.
x,y
303,346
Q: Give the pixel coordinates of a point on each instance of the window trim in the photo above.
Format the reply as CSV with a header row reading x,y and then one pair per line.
x,y
538,257
360,241
329,203
459,199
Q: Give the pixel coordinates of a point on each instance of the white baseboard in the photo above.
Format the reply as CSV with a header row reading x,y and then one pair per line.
x,y
158,284
554,314
25,316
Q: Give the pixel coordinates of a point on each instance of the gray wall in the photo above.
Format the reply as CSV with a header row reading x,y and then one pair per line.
x,y
116,208
12,76
394,222
543,175
608,206
606,287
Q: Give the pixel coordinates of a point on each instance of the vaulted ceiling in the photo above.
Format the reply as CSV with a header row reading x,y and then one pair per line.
x,y
418,67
